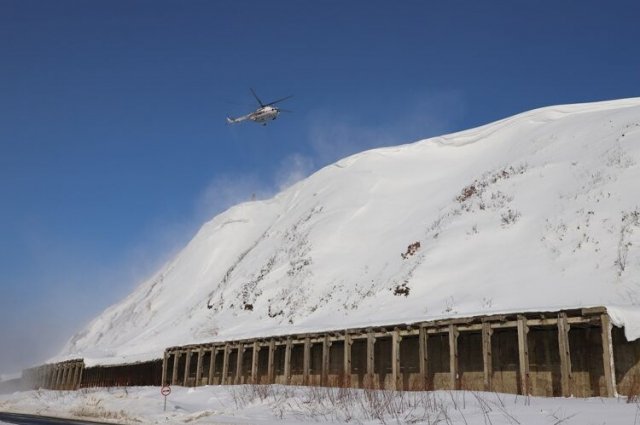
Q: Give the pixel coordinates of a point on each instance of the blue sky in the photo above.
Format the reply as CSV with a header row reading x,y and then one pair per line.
x,y
114,148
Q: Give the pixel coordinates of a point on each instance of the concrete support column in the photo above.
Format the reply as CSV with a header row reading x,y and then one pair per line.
x,y
212,365
565,354
607,356
47,376
165,365
225,365
423,357
396,377
254,362
53,377
63,379
239,363
487,362
326,346
80,374
187,365
306,361
348,342
371,340
74,376
199,368
59,373
523,355
174,374
65,376
453,357
271,362
287,361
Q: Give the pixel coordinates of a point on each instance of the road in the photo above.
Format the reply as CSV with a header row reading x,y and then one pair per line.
x,y
22,419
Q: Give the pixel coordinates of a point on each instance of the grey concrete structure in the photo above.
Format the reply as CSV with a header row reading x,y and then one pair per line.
x,y
569,353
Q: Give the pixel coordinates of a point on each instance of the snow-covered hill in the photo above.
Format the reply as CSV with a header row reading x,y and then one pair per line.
x,y
539,211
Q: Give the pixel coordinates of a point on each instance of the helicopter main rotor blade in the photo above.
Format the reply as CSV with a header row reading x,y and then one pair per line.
x,y
279,100
257,98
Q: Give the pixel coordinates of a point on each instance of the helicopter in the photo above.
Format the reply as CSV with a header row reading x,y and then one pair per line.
x,y
266,111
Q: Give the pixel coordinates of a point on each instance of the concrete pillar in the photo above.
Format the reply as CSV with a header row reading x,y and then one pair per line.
x,y
174,373
487,362
199,368
68,380
240,356
607,356
287,361
212,365
423,357
396,376
54,377
59,371
74,376
255,357
225,365
51,376
348,342
65,376
271,378
306,361
47,376
371,340
523,355
453,356
326,347
187,365
81,366
565,354
165,365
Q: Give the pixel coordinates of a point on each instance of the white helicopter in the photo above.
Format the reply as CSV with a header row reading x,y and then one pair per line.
x,y
266,112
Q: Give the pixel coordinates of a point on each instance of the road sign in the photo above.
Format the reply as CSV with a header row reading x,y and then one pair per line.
x,y
166,390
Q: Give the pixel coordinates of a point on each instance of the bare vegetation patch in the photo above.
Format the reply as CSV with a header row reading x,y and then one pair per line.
x,y
359,406
411,250
401,289
480,185
630,222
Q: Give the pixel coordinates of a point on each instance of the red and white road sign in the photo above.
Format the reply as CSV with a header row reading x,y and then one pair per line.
x,y
166,390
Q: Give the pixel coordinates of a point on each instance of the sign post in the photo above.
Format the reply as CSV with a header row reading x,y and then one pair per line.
x,y
165,391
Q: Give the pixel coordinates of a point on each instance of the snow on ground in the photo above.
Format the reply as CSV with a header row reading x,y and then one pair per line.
x,y
301,405
536,212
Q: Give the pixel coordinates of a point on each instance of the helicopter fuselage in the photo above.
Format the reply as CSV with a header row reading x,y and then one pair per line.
x,y
264,114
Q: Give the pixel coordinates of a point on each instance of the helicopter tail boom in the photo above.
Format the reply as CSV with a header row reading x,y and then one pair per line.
x,y
236,120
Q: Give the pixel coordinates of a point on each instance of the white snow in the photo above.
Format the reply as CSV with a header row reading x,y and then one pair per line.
x,y
537,212
301,405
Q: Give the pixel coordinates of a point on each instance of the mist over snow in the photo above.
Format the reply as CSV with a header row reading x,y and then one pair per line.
x,y
536,212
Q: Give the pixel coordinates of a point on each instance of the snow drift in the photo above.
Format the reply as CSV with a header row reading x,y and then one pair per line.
x,y
540,211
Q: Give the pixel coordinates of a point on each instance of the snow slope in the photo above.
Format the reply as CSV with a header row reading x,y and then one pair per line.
x,y
540,211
